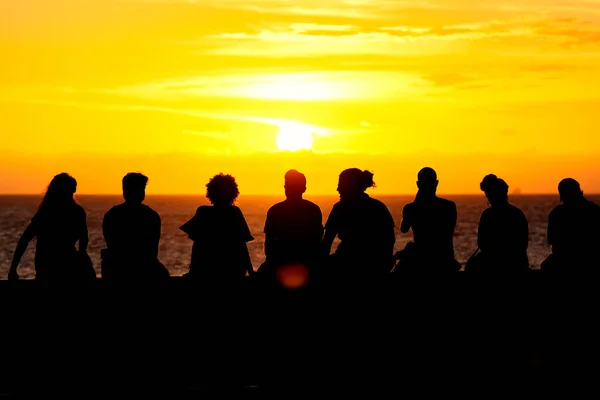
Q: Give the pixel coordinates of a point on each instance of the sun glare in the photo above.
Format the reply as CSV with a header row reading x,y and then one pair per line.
x,y
294,138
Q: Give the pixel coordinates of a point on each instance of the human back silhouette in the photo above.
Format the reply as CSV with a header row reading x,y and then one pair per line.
x,y
293,231
132,234
365,228
59,224
573,232
503,234
432,220
220,233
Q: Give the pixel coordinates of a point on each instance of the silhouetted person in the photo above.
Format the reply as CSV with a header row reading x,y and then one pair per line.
x,y
432,220
220,234
132,233
365,228
59,224
503,235
573,231
293,229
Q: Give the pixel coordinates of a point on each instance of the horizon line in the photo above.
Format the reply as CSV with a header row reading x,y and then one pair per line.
x,y
283,195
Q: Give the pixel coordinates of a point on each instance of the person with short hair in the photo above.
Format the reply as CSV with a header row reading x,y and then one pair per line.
x,y
293,228
573,231
132,235
432,220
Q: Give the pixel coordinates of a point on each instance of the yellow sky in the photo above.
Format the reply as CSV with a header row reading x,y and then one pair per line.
x,y
181,90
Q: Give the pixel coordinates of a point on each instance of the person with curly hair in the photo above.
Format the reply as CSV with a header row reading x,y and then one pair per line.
x,y
220,234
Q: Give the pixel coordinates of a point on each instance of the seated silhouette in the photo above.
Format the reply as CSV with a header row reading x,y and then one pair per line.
x,y
432,220
293,231
503,234
220,233
132,234
573,232
59,224
364,226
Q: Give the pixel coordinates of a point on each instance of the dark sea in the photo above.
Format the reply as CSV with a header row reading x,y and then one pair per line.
x,y
175,247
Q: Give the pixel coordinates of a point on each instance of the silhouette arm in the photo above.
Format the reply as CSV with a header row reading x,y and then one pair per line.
x,y
269,245
453,219
406,223
331,231
24,240
106,230
482,232
551,230
269,237
156,231
83,235
328,238
524,238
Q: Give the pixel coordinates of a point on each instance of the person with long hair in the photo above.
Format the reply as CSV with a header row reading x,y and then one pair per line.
x,y
59,224
220,233
503,234
364,226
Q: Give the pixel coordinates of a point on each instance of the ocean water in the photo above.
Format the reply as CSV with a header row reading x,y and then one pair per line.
x,y
175,247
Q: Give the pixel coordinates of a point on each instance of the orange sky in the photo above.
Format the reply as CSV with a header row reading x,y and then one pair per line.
x,y
181,90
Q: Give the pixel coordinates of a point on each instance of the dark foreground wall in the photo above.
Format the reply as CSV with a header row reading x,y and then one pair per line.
x,y
403,335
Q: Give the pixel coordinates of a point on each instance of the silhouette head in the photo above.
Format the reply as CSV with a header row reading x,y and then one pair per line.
x,y
295,184
353,182
569,191
495,189
60,191
222,190
427,181
134,187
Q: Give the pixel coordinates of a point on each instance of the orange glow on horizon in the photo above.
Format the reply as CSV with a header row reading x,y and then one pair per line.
x,y
182,90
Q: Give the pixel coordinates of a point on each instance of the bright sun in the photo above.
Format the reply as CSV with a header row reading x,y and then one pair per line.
x,y
294,138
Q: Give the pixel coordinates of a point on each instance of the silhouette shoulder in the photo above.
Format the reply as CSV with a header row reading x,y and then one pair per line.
x,y
79,209
237,210
447,203
379,204
276,207
408,208
311,205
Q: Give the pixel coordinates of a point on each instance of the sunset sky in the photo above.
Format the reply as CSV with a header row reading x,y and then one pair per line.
x,y
182,90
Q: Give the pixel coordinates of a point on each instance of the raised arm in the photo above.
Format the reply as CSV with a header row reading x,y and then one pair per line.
x,y
24,240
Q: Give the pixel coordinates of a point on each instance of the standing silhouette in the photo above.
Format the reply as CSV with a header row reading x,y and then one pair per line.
x,y
132,233
573,231
365,228
293,230
59,224
432,220
220,234
503,234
